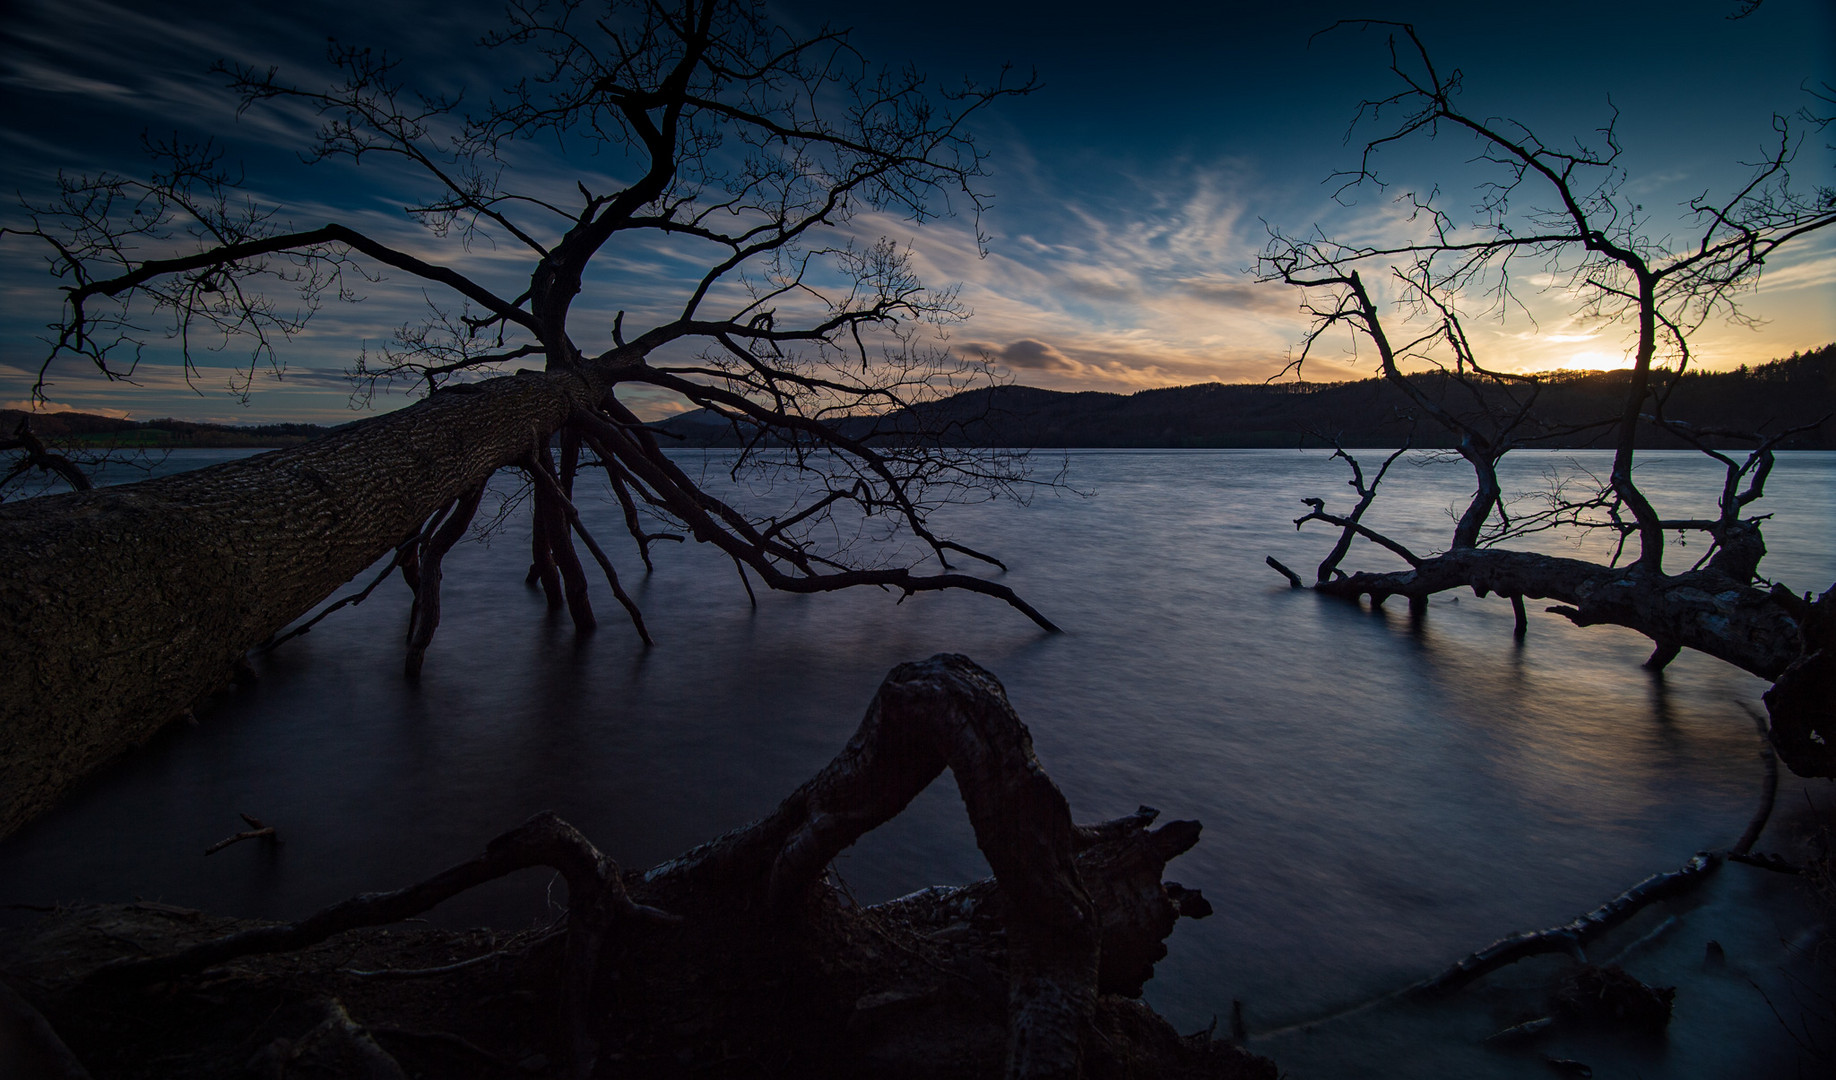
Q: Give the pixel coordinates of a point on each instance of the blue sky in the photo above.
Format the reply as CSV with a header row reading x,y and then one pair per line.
x,y
1131,192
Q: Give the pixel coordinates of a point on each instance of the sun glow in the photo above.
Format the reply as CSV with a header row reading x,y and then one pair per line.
x,y
1597,361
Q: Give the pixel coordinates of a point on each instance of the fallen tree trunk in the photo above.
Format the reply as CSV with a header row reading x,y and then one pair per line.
x,y
738,958
121,607
1768,633
1703,610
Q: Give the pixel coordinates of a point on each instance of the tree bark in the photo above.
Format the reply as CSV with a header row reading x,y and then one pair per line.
x,y
121,607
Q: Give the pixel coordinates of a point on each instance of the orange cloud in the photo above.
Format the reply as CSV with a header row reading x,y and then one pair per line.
x,y
25,405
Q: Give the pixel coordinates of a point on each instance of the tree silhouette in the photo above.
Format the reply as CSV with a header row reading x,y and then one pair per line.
x,y
761,158
1565,215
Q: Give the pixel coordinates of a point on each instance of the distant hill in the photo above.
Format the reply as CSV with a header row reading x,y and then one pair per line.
x,y
1370,412
1783,394
89,430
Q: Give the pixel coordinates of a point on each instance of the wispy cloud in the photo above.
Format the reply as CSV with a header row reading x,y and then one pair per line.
x,y
1140,286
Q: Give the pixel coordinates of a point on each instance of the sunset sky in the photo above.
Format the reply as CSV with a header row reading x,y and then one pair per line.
x,y
1131,192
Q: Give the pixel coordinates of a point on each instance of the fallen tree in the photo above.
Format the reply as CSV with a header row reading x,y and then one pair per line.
x,y
1566,212
738,958
751,151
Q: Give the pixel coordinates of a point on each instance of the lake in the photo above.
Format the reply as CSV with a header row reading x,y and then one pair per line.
x,y
1379,796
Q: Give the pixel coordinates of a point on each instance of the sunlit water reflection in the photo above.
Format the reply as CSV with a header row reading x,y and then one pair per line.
x,y
1379,797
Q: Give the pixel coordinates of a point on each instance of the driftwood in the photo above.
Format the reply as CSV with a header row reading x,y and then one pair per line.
x,y
1021,969
1571,936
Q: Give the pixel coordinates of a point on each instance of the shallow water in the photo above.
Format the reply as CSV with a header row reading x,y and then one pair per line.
x,y
1379,796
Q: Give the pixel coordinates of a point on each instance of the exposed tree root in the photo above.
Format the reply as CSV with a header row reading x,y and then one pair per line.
x,y
564,502
738,958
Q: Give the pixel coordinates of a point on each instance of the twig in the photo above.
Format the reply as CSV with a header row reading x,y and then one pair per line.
x,y
257,830
741,567
348,601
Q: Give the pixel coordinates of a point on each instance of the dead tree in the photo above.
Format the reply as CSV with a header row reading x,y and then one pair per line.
x,y
1566,213
1023,975
748,148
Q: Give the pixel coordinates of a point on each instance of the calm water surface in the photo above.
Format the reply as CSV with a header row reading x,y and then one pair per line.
x,y
1379,797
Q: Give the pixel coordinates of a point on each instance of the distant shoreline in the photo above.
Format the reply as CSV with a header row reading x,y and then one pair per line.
x,y
88,431
1238,416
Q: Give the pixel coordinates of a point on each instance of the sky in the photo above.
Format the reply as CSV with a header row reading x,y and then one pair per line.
x,y
1131,193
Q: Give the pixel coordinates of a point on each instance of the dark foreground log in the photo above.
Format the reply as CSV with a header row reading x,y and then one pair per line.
x,y
739,958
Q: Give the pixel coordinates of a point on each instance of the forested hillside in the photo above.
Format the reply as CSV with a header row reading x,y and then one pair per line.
x,y
1797,390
